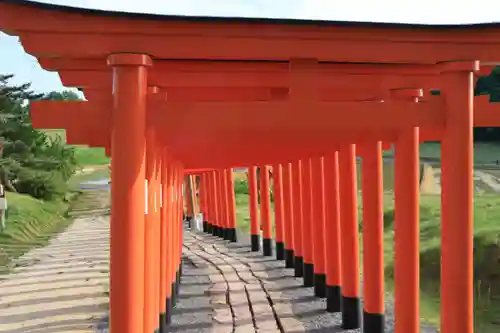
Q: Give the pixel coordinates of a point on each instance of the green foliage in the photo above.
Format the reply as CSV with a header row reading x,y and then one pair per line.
x,y
241,186
35,163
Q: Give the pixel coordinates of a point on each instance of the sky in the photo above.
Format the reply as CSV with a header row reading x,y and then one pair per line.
x,y
14,60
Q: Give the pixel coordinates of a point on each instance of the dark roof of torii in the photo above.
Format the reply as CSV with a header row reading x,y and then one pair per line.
x,y
246,20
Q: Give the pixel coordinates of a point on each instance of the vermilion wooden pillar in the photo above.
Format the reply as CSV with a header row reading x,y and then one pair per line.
x,y
279,211
227,210
319,219
189,199
210,203
350,240
204,201
373,237
254,214
407,227
151,237
297,218
288,216
179,229
215,203
307,222
333,234
127,197
457,199
265,212
233,237
166,241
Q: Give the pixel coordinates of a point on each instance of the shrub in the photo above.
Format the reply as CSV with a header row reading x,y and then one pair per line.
x,y
45,185
241,186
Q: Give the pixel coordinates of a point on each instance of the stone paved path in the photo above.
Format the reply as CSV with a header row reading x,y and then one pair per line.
x,y
60,287
252,293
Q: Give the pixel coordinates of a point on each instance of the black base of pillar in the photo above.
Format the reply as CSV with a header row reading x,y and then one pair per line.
x,y
351,313
299,266
173,298
234,236
255,240
163,323
333,299
267,245
210,228
178,283
308,275
205,226
189,219
289,259
220,232
215,230
180,271
168,314
280,251
227,234
320,285
373,322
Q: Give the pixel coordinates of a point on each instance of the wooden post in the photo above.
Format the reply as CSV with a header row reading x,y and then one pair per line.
x,y
307,222
333,234
288,216
350,244
318,221
279,211
457,199
127,197
373,237
265,212
297,218
254,217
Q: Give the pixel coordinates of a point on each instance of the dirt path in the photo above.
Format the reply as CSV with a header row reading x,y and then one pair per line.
x,y
61,287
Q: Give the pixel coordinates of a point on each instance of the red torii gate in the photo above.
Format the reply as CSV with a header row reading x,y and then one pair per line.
x,y
227,41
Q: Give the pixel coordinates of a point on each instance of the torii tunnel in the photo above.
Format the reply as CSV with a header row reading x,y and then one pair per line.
x,y
169,96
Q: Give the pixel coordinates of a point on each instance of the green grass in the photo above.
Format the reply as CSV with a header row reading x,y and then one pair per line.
x,y
91,156
84,155
487,255
30,223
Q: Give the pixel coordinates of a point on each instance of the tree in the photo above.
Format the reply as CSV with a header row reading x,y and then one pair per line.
x,y
33,162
